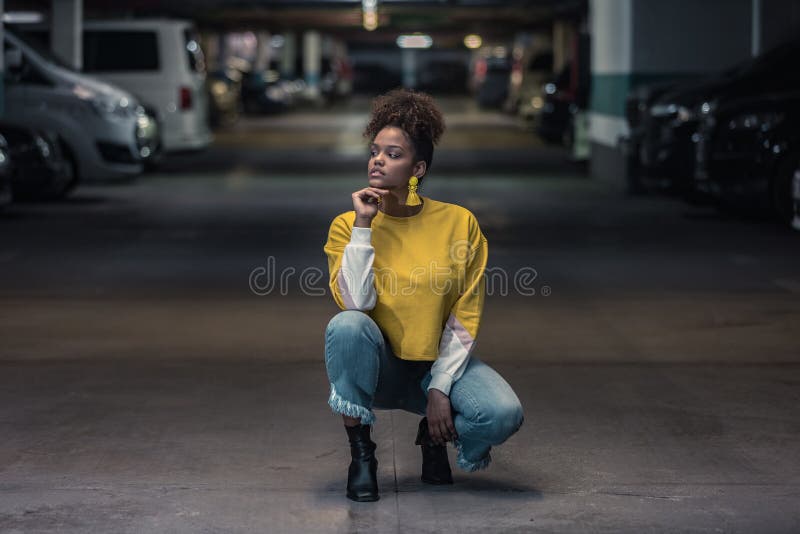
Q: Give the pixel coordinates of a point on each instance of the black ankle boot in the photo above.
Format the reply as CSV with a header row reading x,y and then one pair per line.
x,y
435,465
362,477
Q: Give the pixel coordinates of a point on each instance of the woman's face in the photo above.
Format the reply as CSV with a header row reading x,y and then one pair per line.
x,y
391,160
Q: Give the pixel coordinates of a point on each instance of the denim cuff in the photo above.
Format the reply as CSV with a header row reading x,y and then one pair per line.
x,y
467,465
345,407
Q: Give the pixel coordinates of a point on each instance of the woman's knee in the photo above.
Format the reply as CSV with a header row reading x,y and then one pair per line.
x,y
349,333
506,419
348,323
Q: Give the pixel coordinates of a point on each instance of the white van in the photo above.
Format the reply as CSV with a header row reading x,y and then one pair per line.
x,y
160,61
105,132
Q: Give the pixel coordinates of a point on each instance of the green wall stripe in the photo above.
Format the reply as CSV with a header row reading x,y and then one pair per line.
x,y
610,90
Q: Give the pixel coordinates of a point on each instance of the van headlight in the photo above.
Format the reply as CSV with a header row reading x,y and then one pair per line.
x,y
116,109
4,160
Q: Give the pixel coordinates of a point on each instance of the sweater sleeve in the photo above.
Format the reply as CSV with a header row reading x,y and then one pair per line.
x,y
350,259
461,329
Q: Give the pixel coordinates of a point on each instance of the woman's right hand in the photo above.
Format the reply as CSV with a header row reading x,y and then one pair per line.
x,y
365,204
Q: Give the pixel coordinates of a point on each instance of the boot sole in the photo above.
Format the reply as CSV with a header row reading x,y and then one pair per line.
x,y
363,498
436,482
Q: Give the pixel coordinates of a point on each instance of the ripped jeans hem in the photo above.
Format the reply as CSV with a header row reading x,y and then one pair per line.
x,y
467,465
340,405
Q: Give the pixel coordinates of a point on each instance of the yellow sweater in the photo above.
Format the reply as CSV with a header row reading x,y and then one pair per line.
x,y
420,278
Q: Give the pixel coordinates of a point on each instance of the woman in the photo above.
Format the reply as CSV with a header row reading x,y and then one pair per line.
x,y
408,271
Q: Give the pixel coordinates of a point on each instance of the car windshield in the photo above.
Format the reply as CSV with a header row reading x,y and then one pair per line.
x,y
37,46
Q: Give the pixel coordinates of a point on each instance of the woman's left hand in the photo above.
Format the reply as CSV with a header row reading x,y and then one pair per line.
x,y
440,418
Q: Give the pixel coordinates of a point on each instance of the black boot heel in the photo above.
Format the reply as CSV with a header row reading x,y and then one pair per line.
x,y
435,465
362,477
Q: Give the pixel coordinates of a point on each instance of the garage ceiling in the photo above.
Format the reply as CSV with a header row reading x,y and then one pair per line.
x,y
339,16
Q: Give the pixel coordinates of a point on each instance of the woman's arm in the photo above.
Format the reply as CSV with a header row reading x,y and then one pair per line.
x,y
350,252
461,329
350,259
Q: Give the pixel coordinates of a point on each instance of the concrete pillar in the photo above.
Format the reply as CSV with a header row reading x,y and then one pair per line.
x,y
409,66
288,56
263,50
2,65
67,31
755,42
648,41
312,62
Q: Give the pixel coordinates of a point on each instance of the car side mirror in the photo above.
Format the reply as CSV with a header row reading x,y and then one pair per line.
x,y
13,59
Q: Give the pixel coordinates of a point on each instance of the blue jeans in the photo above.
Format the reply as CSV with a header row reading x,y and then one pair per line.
x,y
364,373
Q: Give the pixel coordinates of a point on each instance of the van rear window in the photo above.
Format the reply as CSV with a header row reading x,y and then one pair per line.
x,y
110,51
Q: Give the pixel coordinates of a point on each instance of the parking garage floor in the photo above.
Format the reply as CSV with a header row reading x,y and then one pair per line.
x,y
146,385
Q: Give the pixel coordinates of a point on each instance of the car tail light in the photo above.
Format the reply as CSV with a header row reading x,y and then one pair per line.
x,y
186,98
480,70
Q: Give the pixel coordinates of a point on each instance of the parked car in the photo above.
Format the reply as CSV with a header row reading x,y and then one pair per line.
x,y
224,90
529,75
493,84
556,107
40,170
748,153
336,79
98,123
265,92
664,141
161,62
5,173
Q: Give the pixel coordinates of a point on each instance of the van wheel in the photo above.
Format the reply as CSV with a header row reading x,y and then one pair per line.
x,y
781,189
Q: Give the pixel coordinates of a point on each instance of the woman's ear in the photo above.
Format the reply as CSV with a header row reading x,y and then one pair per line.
x,y
420,168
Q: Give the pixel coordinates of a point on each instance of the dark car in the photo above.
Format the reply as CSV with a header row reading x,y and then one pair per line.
x,y
224,88
40,168
5,173
663,142
563,97
493,89
747,154
264,92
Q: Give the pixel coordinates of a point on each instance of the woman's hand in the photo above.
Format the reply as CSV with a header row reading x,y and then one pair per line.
x,y
440,417
365,204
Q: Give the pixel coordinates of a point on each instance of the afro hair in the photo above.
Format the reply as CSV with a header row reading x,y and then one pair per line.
x,y
415,113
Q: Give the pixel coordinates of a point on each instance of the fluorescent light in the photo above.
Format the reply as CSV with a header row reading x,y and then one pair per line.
x,y
473,41
22,17
370,18
414,41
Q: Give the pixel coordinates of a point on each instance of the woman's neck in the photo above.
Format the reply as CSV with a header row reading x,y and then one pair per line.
x,y
392,206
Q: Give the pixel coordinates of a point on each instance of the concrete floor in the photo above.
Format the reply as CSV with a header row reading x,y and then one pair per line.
x,y
144,387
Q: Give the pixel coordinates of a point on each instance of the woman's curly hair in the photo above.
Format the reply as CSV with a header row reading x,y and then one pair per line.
x,y
415,113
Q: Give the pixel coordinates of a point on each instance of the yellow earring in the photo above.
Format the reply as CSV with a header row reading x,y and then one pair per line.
x,y
413,197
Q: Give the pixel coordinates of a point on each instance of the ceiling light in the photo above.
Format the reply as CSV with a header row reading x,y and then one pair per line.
x,y
414,41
